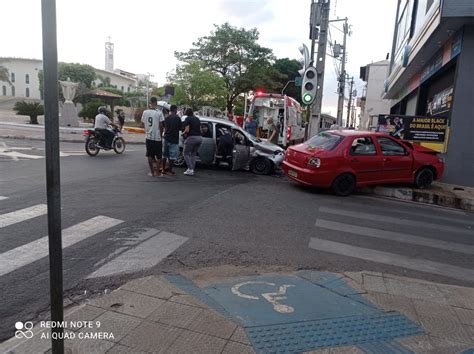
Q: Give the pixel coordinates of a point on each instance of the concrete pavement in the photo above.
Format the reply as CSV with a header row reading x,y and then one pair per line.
x,y
206,311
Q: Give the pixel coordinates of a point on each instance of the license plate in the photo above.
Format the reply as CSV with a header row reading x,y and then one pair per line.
x,y
292,173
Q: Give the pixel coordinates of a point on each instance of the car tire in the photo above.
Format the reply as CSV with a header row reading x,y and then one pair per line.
x,y
424,177
344,185
261,166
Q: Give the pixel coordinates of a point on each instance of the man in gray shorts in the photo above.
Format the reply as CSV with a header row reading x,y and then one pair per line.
x,y
171,139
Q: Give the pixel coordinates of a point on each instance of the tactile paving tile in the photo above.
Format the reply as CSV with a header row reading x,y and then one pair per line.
x,y
343,331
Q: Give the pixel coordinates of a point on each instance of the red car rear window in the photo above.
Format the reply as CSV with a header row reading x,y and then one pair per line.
x,y
324,141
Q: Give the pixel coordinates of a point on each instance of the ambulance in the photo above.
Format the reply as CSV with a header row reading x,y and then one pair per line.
x,y
285,112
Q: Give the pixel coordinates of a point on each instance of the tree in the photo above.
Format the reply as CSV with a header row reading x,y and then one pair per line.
x,y
235,55
289,70
31,109
4,74
195,86
81,73
89,109
105,81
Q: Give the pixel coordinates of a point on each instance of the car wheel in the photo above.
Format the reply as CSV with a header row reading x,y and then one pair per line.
x,y
344,185
179,162
424,178
261,166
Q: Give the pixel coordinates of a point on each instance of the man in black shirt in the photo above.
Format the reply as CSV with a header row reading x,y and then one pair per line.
x,y
171,137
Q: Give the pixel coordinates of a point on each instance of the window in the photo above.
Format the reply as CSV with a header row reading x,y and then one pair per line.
x,y
391,148
27,78
122,89
324,141
12,77
27,92
428,5
4,90
239,138
206,130
13,90
363,146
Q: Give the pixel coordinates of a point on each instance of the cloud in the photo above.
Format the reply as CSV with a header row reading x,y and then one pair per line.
x,y
247,12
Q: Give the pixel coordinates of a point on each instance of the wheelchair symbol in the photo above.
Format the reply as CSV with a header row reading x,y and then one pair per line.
x,y
272,298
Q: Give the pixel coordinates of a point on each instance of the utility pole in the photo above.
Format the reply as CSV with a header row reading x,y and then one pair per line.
x,y
53,175
342,77
320,63
349,104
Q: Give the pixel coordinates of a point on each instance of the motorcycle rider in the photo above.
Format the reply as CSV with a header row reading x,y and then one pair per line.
x,y
102,124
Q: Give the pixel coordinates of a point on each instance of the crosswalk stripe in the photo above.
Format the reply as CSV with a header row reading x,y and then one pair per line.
x,y
146,255
392,259
398,221
22,215
33,251
395,236
3,198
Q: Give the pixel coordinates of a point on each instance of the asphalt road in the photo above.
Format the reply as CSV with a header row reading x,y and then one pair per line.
x,y
215,218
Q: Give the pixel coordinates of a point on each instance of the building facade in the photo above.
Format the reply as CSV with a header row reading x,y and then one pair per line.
x,y
372,104
431,75
25,83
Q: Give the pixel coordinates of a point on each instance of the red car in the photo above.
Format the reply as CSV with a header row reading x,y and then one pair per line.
x,y
346,159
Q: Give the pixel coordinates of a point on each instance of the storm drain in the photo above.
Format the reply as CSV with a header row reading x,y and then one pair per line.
x,y
342,331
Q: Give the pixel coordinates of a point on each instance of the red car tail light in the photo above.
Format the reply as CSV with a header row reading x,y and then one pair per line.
x,y
314,162
288,134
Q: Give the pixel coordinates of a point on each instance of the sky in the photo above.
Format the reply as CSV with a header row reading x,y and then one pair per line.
x,y
146,33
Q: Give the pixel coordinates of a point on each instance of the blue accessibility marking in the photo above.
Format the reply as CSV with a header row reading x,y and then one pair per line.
x,y
302,312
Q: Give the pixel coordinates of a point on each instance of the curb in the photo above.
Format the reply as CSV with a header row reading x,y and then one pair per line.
x,y
443,198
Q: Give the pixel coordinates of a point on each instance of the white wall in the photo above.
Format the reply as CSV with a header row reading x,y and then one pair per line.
x,y
20,68
374,104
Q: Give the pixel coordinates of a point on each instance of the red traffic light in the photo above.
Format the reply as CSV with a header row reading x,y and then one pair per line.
x,y
260,93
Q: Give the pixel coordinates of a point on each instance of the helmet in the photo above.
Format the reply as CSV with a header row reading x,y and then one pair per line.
x,y
164,104
102,109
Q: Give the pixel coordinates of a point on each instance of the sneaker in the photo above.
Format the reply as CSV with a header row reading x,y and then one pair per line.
x,y
189,172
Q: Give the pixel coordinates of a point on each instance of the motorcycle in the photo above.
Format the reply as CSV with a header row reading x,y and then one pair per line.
x,y
93,142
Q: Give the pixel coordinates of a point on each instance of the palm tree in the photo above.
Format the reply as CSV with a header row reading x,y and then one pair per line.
x,y
31,109
4,74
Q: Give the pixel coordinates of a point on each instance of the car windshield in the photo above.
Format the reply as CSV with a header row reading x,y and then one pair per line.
x,y
324,141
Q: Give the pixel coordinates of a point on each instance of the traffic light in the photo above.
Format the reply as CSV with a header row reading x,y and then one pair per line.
x,y
304,61
310,86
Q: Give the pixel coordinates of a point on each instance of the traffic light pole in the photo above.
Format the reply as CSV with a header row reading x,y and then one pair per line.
x,y
320,63
342,77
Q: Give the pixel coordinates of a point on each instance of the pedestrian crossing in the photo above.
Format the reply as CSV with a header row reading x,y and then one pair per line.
x,y
137,253
344,224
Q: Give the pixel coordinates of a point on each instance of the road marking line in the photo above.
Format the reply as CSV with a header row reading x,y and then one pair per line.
x,y
35,250
392,259
399,221
146,255
6,148
15,155
395,236
22,215
3,198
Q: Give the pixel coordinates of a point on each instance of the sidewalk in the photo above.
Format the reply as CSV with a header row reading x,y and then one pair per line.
x,y
220,310
12,130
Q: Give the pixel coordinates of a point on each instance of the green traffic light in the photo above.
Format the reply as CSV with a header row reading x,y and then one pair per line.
x,y
307,97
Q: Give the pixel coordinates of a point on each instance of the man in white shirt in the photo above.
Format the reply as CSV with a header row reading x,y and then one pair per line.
x,y
102,124
153,119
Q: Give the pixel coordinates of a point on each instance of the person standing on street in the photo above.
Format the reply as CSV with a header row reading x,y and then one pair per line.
x,y
250,126
121,118
153,119
192,134
273,131
171,139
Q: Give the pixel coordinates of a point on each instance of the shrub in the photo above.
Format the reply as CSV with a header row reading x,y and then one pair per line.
x,y
31,109
90,109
